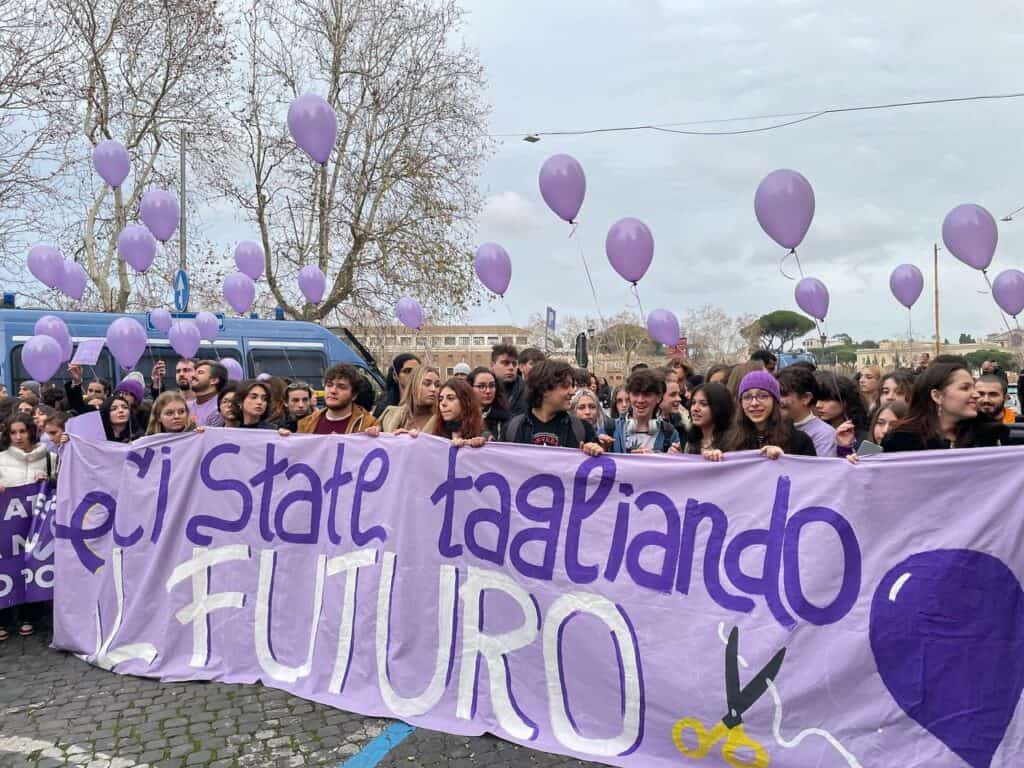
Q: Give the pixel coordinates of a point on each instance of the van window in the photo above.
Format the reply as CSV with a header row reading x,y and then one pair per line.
x,y
306,365
102,370
171,358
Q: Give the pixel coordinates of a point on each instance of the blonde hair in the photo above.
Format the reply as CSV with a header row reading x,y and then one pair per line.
x,y
407,406
155,427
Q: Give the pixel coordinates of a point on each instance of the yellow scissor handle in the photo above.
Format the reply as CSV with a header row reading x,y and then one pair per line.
x,y
705,739
737,740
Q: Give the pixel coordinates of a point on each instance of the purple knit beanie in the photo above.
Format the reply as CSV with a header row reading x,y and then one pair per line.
x,y
760,380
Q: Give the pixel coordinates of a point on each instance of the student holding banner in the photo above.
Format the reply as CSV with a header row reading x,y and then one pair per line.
x,y
711,414
169,415
416,410
944,414
760,425
24,462
458,416
548,421
492,401
341,414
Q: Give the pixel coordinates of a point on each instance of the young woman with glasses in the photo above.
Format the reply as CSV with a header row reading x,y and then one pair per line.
x,y
492,401
759,424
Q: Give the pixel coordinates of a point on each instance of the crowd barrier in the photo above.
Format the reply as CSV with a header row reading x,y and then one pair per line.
x,y
633,610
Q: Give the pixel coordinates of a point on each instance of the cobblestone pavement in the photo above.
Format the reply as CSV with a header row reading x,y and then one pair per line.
x,y
56,710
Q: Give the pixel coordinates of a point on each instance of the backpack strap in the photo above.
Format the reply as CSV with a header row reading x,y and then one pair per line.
x,y
514,425
578,430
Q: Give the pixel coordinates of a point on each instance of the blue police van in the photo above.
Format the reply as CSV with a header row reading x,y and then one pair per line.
x,y
292,349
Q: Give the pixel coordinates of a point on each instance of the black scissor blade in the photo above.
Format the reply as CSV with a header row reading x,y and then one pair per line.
x,y
732,678
753,690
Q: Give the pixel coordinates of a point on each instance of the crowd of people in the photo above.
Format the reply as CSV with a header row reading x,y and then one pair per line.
x,y
525,397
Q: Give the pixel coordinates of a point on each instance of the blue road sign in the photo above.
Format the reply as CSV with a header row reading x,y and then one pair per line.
x,y
550,321
181,291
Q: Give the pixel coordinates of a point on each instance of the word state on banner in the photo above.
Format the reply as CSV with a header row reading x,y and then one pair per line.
x,y
585,608
26,544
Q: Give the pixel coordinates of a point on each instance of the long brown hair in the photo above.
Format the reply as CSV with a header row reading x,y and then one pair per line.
x,y
471,422
923,415
155,425
744,435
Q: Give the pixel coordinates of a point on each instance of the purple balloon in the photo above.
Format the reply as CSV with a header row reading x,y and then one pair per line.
x,y
663,326
75,279
159,211
410,313
812,296
970,234
312,283
563,186
56,329
493,267
630,248
934,617
1008,291
41,357
233,368
314,126
111,161
184,338
906,283
249,259
784,205
46,263
126,340
161,319
137,247
208,325
239,292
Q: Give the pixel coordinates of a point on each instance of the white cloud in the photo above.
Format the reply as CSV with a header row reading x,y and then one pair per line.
x,y
508,214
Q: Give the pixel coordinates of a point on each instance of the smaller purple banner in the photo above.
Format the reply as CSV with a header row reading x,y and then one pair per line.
x,y
26,544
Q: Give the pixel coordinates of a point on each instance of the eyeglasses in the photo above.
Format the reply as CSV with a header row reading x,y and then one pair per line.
x,y
760,397
296,385
488,385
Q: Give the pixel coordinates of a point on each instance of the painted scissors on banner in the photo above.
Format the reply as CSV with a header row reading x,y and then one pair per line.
x,y
730,728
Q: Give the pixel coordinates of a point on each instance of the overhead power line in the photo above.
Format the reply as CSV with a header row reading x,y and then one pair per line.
x,y
791,118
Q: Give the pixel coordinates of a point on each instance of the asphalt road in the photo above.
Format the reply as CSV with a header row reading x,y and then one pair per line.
x,y
56,710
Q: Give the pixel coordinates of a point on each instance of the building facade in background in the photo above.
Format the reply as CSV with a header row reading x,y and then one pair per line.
x,y
441,346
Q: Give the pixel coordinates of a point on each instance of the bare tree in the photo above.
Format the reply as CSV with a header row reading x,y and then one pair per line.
x,y
30,58
391,212
144,72
715,337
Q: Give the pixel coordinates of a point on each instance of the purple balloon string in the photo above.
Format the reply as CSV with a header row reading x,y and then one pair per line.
x,y
799,267
1002,315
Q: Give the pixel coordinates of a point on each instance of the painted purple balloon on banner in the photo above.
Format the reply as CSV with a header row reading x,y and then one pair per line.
x,y
663,326
493,267
208,325
159,211
1008,291
184,337
56,329
249,259
906,283
941,622
314,126
161,319
563,185
784,206
970,233
137,247
75,279
111,161
41,357
47,265
312,283
630,248
812,297
239,292
233,368
409,313
126,340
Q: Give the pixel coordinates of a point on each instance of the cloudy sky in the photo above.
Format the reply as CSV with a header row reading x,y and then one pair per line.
x,y
883,180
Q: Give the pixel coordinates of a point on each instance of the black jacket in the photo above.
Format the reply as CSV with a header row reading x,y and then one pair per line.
x,y
496,420
515,396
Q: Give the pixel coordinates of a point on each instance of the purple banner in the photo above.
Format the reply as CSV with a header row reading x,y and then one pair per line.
x,y
634,610
26,544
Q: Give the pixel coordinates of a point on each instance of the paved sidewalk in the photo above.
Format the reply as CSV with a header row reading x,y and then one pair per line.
x,y
56,710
